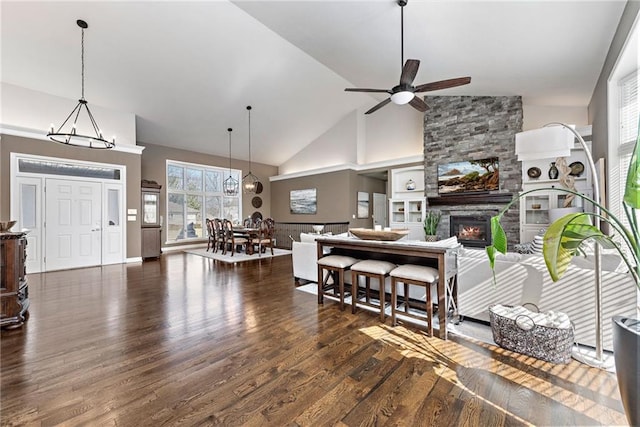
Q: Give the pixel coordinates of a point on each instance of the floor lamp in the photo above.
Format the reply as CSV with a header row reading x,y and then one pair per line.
x,y
556,140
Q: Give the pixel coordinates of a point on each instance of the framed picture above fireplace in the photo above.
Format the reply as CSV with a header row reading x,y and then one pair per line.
x,y
471,176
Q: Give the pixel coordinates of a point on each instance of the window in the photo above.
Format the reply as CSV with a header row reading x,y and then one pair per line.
x,y
628,114
194,192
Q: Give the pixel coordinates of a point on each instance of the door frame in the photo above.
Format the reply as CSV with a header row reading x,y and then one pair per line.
x,y
105,185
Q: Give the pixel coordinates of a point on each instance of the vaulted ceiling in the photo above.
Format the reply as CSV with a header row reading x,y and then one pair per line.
x,y
189,69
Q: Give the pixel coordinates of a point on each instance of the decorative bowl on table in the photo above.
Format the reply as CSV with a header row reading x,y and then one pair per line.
x,y
388,235
317,228
6,225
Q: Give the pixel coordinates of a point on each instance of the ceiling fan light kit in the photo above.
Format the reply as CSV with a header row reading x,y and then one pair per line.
x,y
70,136
403,97
405,92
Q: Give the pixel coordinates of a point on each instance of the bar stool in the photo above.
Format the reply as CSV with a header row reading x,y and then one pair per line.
x,y
417,275
335,265
370,269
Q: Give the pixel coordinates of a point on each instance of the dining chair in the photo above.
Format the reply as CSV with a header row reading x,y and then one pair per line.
x,y
267,229
231,240
218,231
212,240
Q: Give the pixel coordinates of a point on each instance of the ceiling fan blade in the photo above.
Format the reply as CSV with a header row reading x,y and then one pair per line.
x,y
367,90
379,106
419,104
443,84
409,71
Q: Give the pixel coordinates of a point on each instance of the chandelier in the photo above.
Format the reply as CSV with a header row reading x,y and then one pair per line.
x,y
230,185
249,181
70,135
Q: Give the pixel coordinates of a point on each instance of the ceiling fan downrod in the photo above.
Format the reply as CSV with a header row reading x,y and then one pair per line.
x,y
402,4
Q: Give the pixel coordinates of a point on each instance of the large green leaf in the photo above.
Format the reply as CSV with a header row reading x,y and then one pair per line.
x,y
563,239
632,188
498,235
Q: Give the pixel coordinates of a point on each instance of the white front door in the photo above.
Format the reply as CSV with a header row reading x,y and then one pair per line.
x,y
73,224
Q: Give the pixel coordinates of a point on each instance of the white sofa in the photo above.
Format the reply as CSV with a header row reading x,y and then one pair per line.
x,y
304,255
524,278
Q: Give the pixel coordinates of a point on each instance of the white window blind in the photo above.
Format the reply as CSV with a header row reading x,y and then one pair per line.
x,y
629,114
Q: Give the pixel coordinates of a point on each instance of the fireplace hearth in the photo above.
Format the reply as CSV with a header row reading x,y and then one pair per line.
x,y
473,231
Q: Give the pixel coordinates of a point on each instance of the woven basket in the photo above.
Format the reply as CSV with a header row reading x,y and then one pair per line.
x,y
524,336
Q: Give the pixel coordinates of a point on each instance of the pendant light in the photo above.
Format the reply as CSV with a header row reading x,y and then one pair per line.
x,y
70,136
249,181
230,185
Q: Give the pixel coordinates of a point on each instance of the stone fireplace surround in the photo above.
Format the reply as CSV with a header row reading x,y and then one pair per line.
x,y
460,128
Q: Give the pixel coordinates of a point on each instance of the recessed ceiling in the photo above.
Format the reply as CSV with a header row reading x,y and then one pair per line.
x,y
189,69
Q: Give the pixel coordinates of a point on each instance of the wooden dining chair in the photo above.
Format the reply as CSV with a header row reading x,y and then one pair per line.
x,y
232,242
267,228
218,231
211,233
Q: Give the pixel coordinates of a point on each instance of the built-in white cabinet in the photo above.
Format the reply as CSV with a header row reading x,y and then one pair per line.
x,y
407,202
539,208
409,214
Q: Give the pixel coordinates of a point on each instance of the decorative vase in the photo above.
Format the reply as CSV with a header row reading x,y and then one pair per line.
x,y
553,171
626,351
411,185
431,238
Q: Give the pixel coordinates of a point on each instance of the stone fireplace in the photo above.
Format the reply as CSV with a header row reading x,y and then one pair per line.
x,y
471,230
463,128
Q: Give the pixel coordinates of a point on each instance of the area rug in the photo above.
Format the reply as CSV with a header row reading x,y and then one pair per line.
x,y
237,257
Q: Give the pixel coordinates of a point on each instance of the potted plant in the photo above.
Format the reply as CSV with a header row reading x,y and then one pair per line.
x,y
430,224
564,239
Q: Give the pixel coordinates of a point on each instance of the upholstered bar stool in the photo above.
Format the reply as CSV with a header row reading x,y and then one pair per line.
x,y
413,275
335,265
370,269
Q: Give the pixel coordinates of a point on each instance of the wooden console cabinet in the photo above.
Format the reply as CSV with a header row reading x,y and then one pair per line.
x,y
14,292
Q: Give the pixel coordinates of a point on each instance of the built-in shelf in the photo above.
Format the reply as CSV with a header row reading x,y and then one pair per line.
x,y
470,199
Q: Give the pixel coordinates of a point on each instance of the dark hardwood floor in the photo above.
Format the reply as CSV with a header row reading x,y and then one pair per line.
x,y
186,340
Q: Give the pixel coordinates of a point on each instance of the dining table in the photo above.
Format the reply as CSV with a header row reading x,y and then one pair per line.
x,y
249,233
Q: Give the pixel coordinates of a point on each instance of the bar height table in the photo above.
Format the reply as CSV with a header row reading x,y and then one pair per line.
x,y
442,258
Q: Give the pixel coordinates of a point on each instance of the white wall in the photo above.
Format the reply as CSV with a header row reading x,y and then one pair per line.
x,y
29,110
337,146
394,132
536,116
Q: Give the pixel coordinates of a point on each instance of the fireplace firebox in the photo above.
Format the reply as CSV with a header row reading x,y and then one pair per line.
x,y
473,231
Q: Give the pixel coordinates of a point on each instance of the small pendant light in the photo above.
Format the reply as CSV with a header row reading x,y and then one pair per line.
x,y
230,185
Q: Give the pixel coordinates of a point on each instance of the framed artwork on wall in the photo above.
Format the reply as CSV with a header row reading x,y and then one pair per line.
x,y
363,204
303,201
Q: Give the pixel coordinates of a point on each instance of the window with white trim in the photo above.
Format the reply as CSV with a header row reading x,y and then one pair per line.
x,y
194,192
628,116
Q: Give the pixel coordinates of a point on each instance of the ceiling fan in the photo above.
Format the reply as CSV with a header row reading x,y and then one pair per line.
x,y
404,93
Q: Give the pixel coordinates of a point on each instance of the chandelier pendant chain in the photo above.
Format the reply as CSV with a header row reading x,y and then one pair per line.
x,y
82,61
249,140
